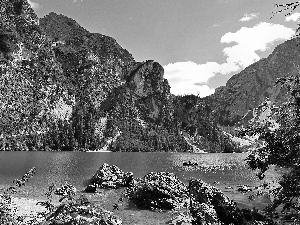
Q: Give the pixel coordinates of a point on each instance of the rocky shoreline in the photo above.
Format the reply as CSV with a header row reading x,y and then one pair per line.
x,y
157,194
195,203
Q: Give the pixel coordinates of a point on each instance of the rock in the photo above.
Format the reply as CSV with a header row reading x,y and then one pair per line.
x,y
210,206
159,190
111,177
244,189
228,187
204,214
91,188
189,163
66,189
203,193
181,219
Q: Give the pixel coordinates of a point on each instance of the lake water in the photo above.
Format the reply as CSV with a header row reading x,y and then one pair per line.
x,y
220,170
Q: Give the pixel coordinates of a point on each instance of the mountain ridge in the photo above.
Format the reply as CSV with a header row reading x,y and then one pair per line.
x,y
245,90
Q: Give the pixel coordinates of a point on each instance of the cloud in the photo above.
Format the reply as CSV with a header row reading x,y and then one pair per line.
x,y
183,77
34,5
294,17
250,40
248,17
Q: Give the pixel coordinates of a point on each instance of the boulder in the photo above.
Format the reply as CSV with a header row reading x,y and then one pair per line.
x,y
244,188
210,206
66,189
111,177
159,190
203,193
204,214
91,188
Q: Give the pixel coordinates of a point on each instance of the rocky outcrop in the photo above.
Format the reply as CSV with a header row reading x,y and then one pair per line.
x,y
160,190
210,206
111,177
249,88
66,190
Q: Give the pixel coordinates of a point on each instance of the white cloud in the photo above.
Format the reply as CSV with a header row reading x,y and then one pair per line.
x,y
248,17
250,40
185,88
294,17
33,5
182,76
192,71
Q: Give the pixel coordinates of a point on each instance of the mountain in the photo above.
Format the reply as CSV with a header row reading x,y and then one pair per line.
x,y
64,88
233,104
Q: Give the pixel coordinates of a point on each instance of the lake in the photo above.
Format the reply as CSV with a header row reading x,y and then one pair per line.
x,y
221,170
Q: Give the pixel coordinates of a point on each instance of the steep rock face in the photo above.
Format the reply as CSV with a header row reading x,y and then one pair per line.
x,y
247,89
64,88
140,112
62,29
29,74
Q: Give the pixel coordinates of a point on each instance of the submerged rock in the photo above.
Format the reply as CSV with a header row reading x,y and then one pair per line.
x,y
111,177
159,190
189,163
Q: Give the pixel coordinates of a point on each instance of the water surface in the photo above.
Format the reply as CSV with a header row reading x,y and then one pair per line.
x,y
220,170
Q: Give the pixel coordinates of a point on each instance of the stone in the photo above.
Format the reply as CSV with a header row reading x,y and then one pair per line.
x,y
244,188
66,189
159,190
111,177
210,206
203,193
91,188
181,219
204,214
189,163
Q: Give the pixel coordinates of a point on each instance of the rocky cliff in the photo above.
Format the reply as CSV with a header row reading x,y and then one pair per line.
x,y
64,88
247,89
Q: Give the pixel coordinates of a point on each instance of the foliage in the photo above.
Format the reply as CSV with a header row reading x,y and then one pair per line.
x,y
281,140
6,210
193,116
72,209
281,146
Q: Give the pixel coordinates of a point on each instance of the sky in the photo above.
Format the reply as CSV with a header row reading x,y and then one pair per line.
x,y
200,43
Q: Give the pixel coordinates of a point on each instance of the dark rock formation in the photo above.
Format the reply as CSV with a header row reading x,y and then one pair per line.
x,y
91,188
189,163
111,177
244,188
249,88
209,206
159,190
66,190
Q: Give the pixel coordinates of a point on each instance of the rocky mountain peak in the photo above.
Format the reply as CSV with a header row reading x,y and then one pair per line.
x,y
249,88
